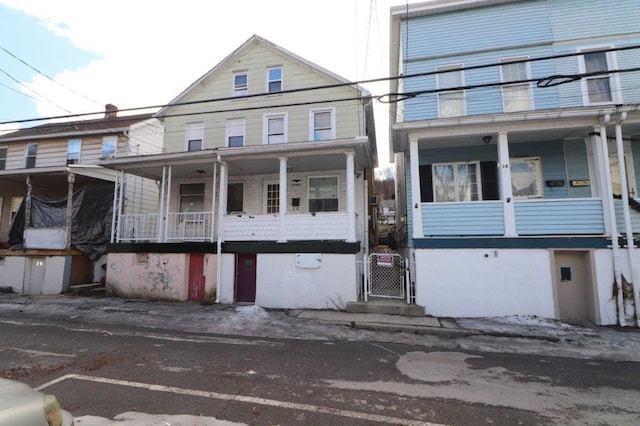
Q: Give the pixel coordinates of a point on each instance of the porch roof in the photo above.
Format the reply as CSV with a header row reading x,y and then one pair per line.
x,y
253,159
526,126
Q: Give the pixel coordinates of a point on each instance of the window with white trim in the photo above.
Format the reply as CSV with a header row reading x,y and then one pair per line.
x,y
109,146
322,125
30,155
602,87
3,158
456,182
323,194
526,177
73,151
240,83
274,80
517,96
272,197
194,136
275,128
191,197
235,132
451,103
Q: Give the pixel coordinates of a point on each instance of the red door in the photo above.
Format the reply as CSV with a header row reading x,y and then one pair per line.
x,y
196,277
246,278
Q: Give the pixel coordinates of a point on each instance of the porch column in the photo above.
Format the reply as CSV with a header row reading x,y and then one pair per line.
x,y
415,202
351,199
213,200
283,199
71,178
506,191
222,200
161,218
167,204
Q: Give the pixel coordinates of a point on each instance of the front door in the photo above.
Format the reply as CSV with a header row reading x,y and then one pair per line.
x,y
573,288
246,278
196,277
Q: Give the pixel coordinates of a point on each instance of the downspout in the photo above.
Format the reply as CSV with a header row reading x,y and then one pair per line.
x,y
627,216
615,247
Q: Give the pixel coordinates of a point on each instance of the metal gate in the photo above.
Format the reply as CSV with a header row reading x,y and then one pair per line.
x,y
385,276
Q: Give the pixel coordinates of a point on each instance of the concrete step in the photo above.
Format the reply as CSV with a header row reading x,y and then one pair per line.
x,y
390,307
84,288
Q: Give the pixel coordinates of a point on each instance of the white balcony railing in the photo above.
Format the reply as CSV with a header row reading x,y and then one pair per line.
x,y
190,226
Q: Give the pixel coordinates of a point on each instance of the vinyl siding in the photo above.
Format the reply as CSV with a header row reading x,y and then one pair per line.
x,y
255,61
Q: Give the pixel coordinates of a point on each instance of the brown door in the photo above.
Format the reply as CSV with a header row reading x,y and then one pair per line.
x,y
573,286
246,278
196,277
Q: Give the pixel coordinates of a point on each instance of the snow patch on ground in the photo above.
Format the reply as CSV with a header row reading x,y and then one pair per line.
x,y
252,311
141,419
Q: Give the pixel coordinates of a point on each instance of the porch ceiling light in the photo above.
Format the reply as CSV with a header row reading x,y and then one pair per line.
x,y
487,139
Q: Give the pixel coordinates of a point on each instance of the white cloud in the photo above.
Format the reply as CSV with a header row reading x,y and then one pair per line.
x,y
148,52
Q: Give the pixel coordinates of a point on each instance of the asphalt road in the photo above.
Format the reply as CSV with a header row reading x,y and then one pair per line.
x,y
108,370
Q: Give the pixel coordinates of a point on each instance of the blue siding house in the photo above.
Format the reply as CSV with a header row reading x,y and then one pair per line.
x,y
516,135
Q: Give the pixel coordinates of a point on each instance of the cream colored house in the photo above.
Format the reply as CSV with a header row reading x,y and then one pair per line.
x,y
264,188
53,161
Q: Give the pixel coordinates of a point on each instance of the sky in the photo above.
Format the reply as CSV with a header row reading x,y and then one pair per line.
x,y
74,56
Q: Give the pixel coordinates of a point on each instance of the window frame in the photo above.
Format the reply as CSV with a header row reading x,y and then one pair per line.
x,y
614,81
3,159
528,85
71,154
454,165
440,94
238,90
229,134
337,197
189,128
312,128
182,196
269,80
265,129
265,192
111,139
28,157
540,185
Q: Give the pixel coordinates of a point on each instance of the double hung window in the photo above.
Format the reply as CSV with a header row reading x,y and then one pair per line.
x,y
191,197
240,84
451,103
599,86
109,146
322,125
235,132
323,194
30,156
518,95
526,177
274,80
3,158
275,128
194,136
73,151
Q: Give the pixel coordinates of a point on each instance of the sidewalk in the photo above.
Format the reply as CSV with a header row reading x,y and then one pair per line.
x,y
518,334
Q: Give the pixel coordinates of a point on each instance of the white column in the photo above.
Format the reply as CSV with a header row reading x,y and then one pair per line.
x,y
222,198
283,199
213,200
506,191
161,218
168,204
415,202
351,199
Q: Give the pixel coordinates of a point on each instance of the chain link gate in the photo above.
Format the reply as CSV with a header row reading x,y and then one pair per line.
x,y
385,276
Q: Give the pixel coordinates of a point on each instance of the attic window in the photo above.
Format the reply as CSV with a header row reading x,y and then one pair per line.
x,y
240,84
274,80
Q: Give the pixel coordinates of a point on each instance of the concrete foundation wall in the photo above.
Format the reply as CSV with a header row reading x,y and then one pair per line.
x,y
282,284
484,282
12,269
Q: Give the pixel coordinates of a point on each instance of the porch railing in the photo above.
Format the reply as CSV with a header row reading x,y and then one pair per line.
x,y
454,219
138,227
569,216
303,226
181,227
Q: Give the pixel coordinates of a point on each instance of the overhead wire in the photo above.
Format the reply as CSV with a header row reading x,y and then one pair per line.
x,y
33,91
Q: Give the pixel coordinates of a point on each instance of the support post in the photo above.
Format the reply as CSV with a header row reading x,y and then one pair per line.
x,y
506,191
416,208
283,200
351,199
71,178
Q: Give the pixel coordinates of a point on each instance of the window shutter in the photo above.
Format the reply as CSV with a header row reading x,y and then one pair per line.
x,y
426,184
489,178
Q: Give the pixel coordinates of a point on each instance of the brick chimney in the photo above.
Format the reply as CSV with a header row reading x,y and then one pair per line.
x,y
110,111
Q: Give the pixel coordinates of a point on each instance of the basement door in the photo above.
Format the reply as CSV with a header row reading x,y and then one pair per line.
x,y
35,283
246,278
573,286
196,277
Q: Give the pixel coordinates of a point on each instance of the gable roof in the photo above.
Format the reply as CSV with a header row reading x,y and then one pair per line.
x,y
252,41
76,128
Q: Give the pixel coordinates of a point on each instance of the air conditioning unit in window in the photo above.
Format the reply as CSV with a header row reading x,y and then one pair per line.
x,y
373,200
